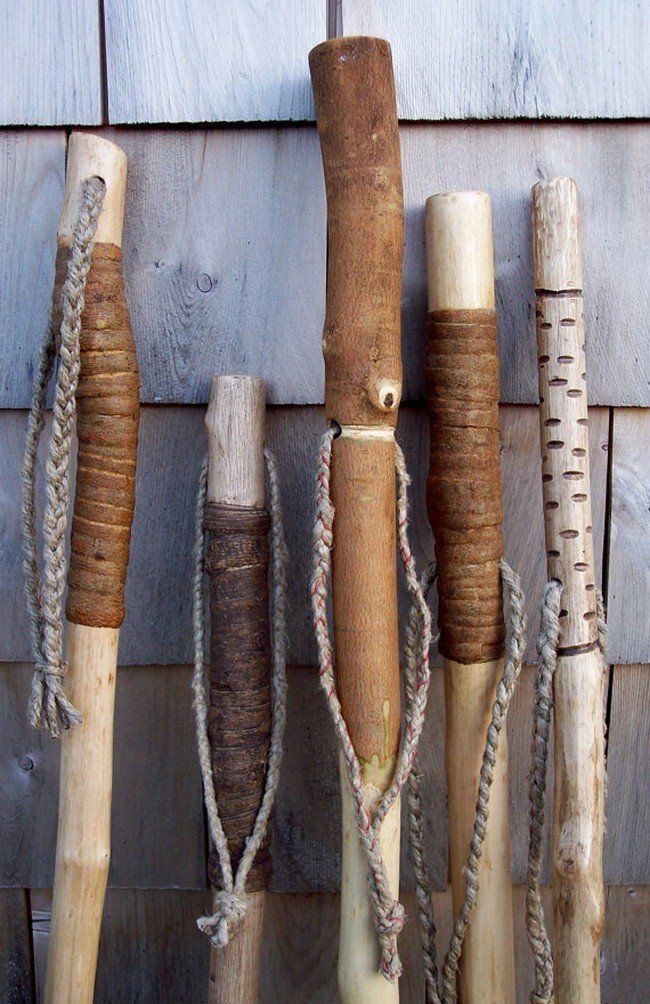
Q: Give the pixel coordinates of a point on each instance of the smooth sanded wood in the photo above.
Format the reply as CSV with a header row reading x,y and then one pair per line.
x,y
235,425
461,279
83,837
90,155
578,803
354,92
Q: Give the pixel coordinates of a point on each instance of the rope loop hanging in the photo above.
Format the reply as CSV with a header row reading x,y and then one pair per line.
x,y
49,707
547,652
231,903
516,646
388,912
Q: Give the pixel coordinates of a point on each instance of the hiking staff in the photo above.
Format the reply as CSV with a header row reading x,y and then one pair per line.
x,y
465,511
356,116
91,318
573,619
240,727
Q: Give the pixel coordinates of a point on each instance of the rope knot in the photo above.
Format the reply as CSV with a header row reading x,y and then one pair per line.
x,y
230,907
49,707
389,923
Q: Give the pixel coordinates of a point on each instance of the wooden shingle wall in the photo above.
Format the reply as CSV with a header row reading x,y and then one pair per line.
x,y
224,248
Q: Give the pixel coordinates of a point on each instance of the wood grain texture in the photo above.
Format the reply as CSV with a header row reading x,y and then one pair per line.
x,y
157,811
16,962
32,170
627,849
197,62
224,252
51,67
157,626
508,59
629,562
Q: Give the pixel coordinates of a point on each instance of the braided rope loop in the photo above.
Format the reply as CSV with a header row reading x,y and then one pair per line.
x,y
231,903
49,707
388,912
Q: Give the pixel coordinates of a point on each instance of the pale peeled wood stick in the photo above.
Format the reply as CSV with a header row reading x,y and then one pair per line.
x,y
235,425
357,123
461,277
83,838
578,801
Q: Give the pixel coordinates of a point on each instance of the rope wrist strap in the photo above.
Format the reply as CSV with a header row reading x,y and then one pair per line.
x,y
389,913
231,902
49,707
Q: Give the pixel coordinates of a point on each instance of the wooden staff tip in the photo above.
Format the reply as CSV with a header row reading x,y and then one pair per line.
x,y
556,236
460,256
235,424
89,155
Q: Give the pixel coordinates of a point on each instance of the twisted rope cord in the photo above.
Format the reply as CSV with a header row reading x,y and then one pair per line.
x,y
516,646
388,912
547,645
231,903
49,707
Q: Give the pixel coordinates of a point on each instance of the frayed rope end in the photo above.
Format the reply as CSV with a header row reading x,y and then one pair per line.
x,y
389,926
230,907
49,706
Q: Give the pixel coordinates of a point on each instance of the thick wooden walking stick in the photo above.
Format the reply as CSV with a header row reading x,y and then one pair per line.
x,y
465,511
357,124
237,562
578,804
107,408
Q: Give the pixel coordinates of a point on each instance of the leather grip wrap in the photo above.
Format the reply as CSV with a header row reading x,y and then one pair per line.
x,y
237,562
464,486
108,413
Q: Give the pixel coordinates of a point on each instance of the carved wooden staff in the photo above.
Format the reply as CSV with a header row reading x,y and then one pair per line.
x,y
578,803
237,561
465,512
108,396
357,124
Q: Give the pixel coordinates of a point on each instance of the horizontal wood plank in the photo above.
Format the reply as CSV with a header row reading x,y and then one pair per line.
x,y
50,72
224,252
510,58
195,61
629,556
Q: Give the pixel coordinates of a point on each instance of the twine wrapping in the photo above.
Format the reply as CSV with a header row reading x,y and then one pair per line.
x,y
49,707
231,902
388,912
547,645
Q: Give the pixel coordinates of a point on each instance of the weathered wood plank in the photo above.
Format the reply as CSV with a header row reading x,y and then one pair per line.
x,y
157,627
629,562
50,72
16,967
510,59
32,167
157,811
200,62
627,849
224,253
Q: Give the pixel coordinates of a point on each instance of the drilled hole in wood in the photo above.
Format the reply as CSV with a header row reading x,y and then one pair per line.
x,y
583,421
563,613
555,444
553,554
546,478
553,421
589,529
579,497
577,451
565,359
574,392
568,322
552,505
545,325
569,534
589,616
557,382
590,587
573,475
543,359
580,566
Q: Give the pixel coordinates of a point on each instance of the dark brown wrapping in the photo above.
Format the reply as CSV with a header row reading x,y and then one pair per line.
x,y
464,486
108,413
237,562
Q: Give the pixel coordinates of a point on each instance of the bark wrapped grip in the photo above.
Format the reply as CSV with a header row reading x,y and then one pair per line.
x,y
108,412
237,563
464,486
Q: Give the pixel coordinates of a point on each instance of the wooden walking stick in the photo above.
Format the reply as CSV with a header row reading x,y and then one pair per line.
x,y
357,124
573,618
90,309
465,512
238,737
